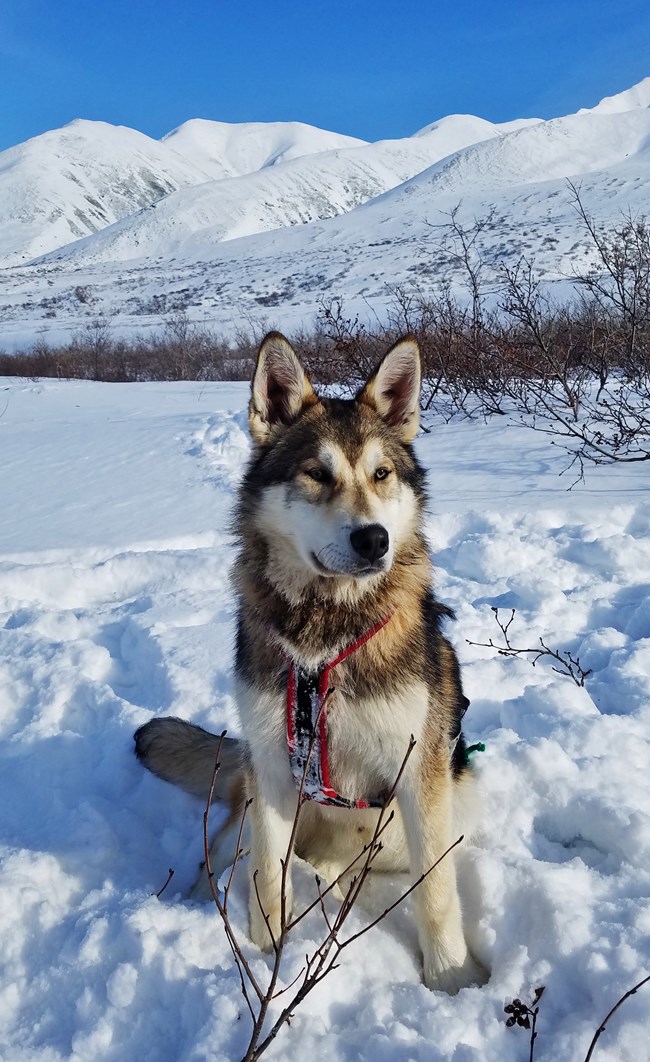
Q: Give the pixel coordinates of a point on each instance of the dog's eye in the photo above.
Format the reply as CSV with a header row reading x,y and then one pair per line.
x,y
319,475
382,473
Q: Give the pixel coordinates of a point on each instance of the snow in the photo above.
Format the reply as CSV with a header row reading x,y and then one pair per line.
x,y
293,191
636,96
459,130
115,606
70,182
225,149
353,222
76,180
190,222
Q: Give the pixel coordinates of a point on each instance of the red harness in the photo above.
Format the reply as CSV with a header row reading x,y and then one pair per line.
x,y
307,693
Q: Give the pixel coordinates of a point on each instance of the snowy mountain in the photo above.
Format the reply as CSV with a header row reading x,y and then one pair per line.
x,y
190,222
563,147
468,129
636,96
73,181
222,149
351,221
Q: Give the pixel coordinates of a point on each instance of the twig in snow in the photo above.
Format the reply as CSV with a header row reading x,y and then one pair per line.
x,y
169,878
568,664
601,1027
324,957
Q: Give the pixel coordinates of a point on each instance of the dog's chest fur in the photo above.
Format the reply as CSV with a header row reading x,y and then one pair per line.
x,y
369,725
368,737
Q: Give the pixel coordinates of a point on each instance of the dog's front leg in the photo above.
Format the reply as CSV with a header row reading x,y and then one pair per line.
x,y
424,797
273,813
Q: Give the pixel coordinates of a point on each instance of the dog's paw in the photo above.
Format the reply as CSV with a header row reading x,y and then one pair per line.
x,y
265,931
330,875
443,973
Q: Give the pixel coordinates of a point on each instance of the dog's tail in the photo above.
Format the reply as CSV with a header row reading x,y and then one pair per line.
x,y
185,755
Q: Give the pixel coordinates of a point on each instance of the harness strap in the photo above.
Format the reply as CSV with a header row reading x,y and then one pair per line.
x,y
307,693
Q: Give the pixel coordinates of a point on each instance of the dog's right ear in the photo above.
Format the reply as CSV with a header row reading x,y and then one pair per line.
x,y
394,389
281,389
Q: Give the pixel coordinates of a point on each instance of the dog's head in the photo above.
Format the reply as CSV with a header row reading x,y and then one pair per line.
x,y
333,489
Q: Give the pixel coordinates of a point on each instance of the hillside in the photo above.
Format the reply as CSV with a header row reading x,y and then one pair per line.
x,y
76,180
223,149
353,222
188,223
71,182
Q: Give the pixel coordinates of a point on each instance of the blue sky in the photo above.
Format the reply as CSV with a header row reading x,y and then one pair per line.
x,y
370,69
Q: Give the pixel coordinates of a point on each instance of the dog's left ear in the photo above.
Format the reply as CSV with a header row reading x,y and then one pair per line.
x,y
394,389
281,389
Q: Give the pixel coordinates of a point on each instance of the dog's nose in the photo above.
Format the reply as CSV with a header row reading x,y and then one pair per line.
x,y
370,542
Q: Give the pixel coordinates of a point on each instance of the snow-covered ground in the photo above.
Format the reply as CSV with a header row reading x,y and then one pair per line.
x,y
115,606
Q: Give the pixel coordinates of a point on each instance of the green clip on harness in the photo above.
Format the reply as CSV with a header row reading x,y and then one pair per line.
x,y
478,747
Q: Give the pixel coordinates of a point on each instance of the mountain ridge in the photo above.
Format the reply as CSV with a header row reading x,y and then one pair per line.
x,y
354,221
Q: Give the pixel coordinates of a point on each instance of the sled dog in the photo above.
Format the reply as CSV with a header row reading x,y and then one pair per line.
x,y
339,644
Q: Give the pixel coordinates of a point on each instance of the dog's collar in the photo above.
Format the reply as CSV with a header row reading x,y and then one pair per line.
x,y
307,693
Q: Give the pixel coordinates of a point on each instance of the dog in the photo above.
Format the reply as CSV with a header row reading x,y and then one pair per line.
x,y
340,657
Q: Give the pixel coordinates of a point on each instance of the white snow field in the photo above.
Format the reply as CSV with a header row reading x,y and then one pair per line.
x,y
115,607
278,214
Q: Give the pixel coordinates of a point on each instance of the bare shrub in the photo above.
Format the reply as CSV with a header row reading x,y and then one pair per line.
x,y
324,957
564,661
344,350
618,285
179,351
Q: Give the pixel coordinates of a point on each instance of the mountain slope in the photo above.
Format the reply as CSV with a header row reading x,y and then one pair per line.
x,y
76,180
249,244
224,149
325,184
562,147
71,182
636,96
502,169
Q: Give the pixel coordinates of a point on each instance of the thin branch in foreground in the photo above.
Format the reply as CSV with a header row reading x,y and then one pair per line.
x,y
169,878
603,1024
254,1048
324,958
240,960
569,665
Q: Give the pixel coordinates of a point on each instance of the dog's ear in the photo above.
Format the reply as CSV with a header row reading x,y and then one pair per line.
x,y
394,389
280,389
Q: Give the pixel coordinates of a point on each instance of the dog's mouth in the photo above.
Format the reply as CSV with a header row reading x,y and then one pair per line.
x,y
360,572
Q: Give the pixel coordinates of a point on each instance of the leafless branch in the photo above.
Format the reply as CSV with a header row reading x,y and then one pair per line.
x,y
169,878
568,664
243,966
324,959
603,1024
